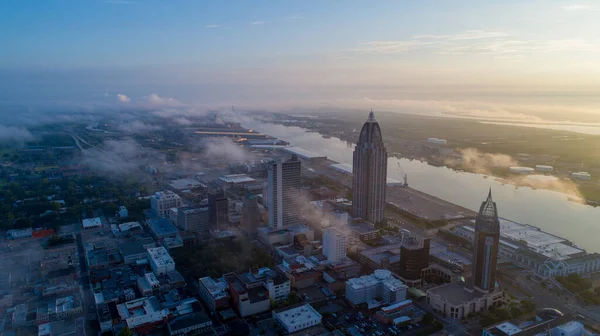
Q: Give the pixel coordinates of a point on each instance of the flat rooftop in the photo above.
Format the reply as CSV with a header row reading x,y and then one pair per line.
x,y
182,184
160,256
298,315
442,253
541,242
236,178
392,252
161,227
456,293
505,328
362,228
92,222
303,153
216,287
425,206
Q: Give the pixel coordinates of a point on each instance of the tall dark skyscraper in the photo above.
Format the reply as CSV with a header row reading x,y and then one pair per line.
x,y
219,210
284,191
250,215
485,248
369,167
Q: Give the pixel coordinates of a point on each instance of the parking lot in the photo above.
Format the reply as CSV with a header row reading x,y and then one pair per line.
x,y
358,322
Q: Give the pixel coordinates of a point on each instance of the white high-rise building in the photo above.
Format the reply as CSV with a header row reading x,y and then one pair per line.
x,y
334,245
284,191
162,202
380,285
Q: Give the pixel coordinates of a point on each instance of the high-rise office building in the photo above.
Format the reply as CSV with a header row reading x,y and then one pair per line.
x,y
250,215
162,202
485,247
284,190
369,167
194,219
334,245
414,257
218,206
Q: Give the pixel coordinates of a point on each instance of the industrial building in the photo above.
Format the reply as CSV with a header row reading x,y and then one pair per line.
x,y
284,191
380,286
297,318
369,166
162,202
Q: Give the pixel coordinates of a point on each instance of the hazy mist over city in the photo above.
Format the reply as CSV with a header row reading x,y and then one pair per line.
x,y
245,167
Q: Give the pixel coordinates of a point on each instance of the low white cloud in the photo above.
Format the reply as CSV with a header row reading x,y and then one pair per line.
x,y
10,134
258,22
123,98
137,127
119,158
223,149
213,26
467,35
156,100
475,42
182,121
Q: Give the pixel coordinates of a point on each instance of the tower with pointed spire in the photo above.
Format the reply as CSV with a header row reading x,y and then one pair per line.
x,y
369,167
485,245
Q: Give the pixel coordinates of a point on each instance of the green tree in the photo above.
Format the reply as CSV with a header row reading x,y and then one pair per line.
x,y
125,332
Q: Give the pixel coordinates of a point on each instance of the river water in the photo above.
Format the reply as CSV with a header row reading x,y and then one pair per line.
x,y
548,210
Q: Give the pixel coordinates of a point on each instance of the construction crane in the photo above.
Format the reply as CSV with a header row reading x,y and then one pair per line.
x,y
405,184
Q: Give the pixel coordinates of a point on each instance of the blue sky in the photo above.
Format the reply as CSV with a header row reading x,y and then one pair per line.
x,y
142,46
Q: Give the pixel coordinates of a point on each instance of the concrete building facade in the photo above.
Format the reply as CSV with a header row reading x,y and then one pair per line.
x,y
194,219
369,166
284,190
251,215
160,260
162,202
219,210
485,245
297,318
334,245
381,285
